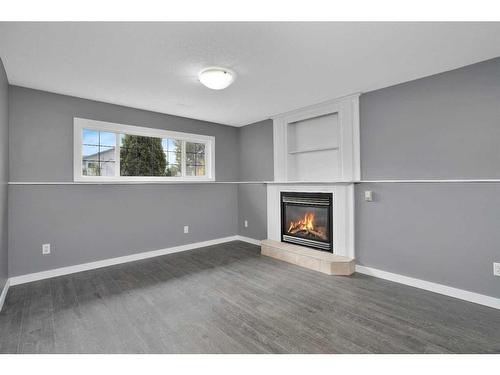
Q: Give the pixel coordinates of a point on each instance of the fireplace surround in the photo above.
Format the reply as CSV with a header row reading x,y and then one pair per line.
x,y
306,219
342,223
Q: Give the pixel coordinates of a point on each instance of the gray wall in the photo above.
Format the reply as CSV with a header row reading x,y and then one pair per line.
x,y
256,164
252,206
41,135
93,222
446,126
441,127
4,174
256,152
444,233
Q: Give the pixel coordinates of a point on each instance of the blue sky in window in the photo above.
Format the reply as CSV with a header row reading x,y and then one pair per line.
x,y
169,144
92,139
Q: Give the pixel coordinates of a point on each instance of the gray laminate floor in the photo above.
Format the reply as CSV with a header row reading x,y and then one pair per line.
x,y
229,299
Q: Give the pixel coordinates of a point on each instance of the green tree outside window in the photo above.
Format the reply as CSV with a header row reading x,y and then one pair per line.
x,y
142,156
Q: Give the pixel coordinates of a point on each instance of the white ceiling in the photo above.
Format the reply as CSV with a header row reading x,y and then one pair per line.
x,y
280,66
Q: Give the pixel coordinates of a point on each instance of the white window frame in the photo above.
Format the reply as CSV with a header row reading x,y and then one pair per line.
x,y
81,123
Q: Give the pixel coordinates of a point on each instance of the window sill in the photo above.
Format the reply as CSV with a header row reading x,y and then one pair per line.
x,y
133,180
114,182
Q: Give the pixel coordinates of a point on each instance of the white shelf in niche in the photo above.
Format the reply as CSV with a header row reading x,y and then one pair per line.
x,y
318,132
317,149
318,143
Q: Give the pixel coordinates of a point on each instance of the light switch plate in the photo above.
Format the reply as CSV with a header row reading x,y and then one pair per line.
x,y
186,228
246,223
369,196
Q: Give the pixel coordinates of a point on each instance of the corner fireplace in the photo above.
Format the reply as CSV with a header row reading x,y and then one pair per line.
x,y
306,219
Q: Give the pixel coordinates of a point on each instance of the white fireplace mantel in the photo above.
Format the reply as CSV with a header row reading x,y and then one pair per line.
x,y
317,149
342,218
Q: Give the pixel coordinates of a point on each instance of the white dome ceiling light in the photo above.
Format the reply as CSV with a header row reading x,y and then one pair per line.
x,y
216,78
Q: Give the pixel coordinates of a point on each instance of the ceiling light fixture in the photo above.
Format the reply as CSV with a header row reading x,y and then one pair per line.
x,y
216,78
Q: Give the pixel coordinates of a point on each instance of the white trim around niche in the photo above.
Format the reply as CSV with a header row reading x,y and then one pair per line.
x,y
343,213
347,109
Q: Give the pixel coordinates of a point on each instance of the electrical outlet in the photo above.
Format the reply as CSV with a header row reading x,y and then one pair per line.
x,y
496,269
246,223
46,249
186,228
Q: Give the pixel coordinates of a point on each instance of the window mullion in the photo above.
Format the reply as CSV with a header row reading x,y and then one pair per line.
x,y
117,155
208,161
183,159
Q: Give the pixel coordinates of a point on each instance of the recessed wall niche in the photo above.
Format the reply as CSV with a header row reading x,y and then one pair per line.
x,y
318,143
313,146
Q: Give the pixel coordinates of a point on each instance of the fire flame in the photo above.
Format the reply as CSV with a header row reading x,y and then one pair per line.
x,y
306,223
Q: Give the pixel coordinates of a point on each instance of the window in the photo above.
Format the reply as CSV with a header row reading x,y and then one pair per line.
x,y
106,151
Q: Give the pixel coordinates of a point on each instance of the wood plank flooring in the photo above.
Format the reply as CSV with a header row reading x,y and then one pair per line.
x,y
230,299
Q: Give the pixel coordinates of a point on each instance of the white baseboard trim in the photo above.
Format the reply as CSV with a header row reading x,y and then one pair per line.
x,y
432,287
253,241
4,293
16,280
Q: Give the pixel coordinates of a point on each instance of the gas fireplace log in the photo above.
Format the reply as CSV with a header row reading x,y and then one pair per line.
x,y
318,234
311,231
297,230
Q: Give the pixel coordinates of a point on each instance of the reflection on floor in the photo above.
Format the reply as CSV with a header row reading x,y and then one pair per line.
x,y
230,299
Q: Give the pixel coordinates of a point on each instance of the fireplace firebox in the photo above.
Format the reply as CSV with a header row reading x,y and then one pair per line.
x,y
306,219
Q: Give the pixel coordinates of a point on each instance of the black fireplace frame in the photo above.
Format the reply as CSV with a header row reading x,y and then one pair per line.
x,y
308,199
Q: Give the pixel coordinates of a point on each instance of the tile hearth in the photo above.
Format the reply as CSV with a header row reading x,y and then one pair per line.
x,y
316,260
